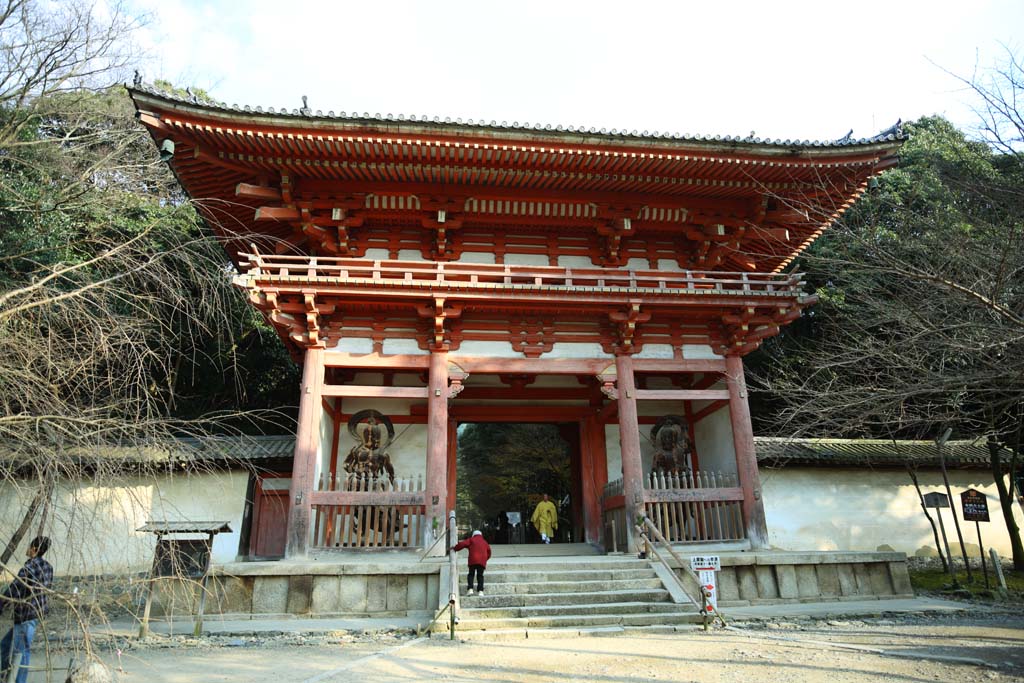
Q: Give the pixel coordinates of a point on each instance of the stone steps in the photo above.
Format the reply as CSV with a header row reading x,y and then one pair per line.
x,y
517,588
570,595
473,614
572,575
581,620
575,598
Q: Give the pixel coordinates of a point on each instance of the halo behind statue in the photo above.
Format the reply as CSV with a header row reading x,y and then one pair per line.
x,y
379,417
670,420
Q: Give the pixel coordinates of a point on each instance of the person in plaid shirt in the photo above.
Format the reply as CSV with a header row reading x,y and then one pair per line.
x,y
27,596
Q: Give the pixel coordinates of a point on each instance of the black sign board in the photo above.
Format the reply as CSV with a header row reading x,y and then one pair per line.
x,y
181,558
936,500
975,506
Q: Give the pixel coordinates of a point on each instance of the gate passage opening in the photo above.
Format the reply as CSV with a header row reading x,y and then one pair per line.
x,y
503,470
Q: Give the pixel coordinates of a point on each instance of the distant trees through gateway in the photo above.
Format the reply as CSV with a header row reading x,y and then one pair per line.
x,y
507,467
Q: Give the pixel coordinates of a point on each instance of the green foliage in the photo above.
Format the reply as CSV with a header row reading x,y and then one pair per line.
x,y
507,467
920,315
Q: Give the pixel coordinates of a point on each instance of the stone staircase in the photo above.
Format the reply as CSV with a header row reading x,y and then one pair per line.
x,y
573,593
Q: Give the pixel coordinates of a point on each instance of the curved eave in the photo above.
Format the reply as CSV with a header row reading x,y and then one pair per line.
x,y
297,123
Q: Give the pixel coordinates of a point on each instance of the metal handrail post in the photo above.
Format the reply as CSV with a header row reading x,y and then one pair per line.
x,y
453,573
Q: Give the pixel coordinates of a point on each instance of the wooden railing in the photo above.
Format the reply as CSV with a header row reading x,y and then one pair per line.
x,y
688,507
286,268
360,512
695,507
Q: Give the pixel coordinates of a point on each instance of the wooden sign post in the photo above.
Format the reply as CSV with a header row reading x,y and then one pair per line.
x,y
974,505
941,500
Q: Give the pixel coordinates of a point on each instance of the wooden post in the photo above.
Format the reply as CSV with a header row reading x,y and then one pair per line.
x,y
437,443
746,456
306,441
198,629
593,475
629,443
144,626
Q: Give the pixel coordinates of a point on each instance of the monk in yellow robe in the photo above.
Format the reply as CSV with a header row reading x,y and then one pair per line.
x,y
545,519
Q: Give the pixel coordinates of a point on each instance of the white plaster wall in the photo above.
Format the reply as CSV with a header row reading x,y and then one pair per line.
x,y
614,451
862,509
403,346
353,345
526,259
323,449
411,255
575,262
92,523
669,265
655,351
377,254
476,257
577,350
485,348
713,436
638,264
698,352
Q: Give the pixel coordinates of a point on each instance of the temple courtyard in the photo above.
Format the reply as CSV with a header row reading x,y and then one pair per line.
x,y
939,641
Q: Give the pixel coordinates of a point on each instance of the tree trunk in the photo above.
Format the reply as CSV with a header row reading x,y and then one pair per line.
x,y
26,522
1006,502
935,529
956,520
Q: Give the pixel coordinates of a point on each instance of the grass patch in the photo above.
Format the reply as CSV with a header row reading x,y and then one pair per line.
x,y
937,581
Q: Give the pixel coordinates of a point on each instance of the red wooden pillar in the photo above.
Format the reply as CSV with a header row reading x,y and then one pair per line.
x,y
593,475
629,442
746,456
307,439
453,452
437,442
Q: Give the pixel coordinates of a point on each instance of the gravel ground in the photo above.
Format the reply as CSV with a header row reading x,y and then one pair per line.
x,y
980,647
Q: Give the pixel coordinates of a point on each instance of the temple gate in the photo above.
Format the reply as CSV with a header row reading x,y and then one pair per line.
x,y
427,273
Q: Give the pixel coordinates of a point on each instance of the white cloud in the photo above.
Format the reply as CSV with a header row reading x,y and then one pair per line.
x,y
796,69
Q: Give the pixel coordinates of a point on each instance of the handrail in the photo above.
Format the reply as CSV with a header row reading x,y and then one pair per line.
x,y
452,606
703,605
261,266
453,574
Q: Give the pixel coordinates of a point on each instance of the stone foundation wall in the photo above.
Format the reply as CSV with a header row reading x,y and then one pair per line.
x,y
277,589
766,577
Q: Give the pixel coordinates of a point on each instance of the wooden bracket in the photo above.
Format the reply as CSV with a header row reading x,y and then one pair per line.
x,y
626,323
440,336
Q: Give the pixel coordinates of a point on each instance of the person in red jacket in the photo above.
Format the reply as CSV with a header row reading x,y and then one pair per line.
x,y
479,553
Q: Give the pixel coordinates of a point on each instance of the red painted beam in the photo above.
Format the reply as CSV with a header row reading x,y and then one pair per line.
x,y
367,498
356,391
693,495
681,394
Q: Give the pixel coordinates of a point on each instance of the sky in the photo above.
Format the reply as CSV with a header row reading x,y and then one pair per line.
x,y
782,70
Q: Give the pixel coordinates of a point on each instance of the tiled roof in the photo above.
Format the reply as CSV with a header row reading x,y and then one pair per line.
x,y
190,527
893,134
780,452
239,447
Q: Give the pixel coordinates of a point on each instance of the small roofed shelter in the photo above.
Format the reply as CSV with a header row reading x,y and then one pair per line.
x,y
433,273
181,558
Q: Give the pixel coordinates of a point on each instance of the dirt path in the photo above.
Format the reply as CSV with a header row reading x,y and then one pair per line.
x,y
951,649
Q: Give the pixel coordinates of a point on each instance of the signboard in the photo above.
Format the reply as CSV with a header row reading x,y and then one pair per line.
x,y
711,563
975,506
936,500
181,558
705,567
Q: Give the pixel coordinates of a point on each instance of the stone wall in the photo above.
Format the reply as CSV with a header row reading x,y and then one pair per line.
x,y
770,577
285,589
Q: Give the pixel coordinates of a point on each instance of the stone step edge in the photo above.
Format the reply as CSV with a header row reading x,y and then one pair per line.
x,y
602,607
565,632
